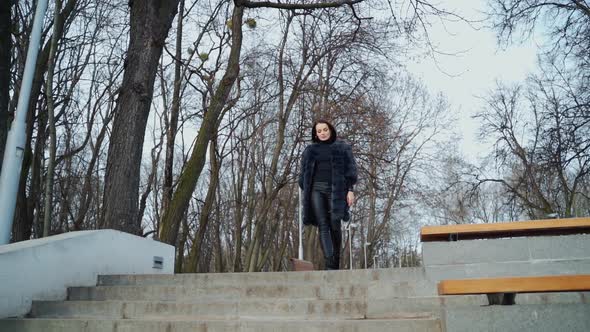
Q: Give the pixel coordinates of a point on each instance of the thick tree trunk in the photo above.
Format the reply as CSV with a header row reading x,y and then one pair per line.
x,y
192,171
5,50
150,23
23,218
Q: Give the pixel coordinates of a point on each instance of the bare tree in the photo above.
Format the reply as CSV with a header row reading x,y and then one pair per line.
x,y
71,64
29,202
207,210
5,59
190,175
150,23
252,102
536,149
567,22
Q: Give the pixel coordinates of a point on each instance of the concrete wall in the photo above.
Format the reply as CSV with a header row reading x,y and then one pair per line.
x,y
521,256
519,318
42,269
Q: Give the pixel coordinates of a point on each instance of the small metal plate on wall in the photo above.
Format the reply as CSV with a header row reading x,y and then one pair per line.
x,y
158,262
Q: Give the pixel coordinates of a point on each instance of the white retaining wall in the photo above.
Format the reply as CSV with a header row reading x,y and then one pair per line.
x,y
42,269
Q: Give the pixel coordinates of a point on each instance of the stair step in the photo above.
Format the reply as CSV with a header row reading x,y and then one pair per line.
x,y
286,308
384,308
189,294
258,325
412,288
358,277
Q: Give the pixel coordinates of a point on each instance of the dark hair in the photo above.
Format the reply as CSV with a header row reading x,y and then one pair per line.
x,y
314,134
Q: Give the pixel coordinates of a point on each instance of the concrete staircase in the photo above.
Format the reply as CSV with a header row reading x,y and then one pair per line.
x,y
398,299
359,300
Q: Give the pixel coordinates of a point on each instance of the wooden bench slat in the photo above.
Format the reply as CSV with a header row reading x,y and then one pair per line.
x,y
506,229
537,284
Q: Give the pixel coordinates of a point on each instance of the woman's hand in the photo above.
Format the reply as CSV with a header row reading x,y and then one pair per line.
x,y
350,198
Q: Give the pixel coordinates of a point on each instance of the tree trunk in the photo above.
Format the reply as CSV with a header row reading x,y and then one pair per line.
x,y
174,112
206,211
51,121
238,186
23,220
219,261
244,206
150,23
87,193
192,171
24,213
5,51
151,180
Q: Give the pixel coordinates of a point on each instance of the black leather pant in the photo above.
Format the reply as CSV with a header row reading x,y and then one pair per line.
x,y
330,231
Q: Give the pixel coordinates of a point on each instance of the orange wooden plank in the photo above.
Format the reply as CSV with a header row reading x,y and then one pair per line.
x,y
506,229
562,283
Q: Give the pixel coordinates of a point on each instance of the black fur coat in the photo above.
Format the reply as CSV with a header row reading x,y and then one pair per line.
x,y
344,176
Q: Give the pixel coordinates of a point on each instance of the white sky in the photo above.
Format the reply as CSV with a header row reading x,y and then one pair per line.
x,y
473,72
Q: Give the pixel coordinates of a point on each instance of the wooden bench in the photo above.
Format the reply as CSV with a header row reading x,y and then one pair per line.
x,y
504,290
505,229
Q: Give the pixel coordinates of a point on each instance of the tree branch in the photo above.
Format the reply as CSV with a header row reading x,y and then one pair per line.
x,y
293,5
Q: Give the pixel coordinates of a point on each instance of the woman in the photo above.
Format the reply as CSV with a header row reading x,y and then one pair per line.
x,y
328,174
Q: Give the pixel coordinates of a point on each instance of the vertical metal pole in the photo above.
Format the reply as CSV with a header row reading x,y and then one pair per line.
x,y
350,242
300,226
350,226
365,247
15,142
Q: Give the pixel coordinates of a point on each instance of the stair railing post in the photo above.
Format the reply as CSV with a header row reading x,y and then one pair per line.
x,y
300,226
365,251
350,226
350,244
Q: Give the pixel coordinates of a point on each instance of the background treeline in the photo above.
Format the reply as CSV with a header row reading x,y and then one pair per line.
x,y
185,120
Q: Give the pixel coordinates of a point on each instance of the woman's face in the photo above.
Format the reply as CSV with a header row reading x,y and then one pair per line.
x,y
323,131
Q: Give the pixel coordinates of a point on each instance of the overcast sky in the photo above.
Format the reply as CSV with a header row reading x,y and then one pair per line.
x,y
473,72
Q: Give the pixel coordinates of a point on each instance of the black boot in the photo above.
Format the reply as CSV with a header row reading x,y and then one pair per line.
x,y
336,262
332,263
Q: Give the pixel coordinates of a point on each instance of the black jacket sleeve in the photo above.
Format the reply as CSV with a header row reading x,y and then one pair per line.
x,y
350,173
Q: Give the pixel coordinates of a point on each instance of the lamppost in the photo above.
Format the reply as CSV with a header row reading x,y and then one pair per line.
x,y
365,247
